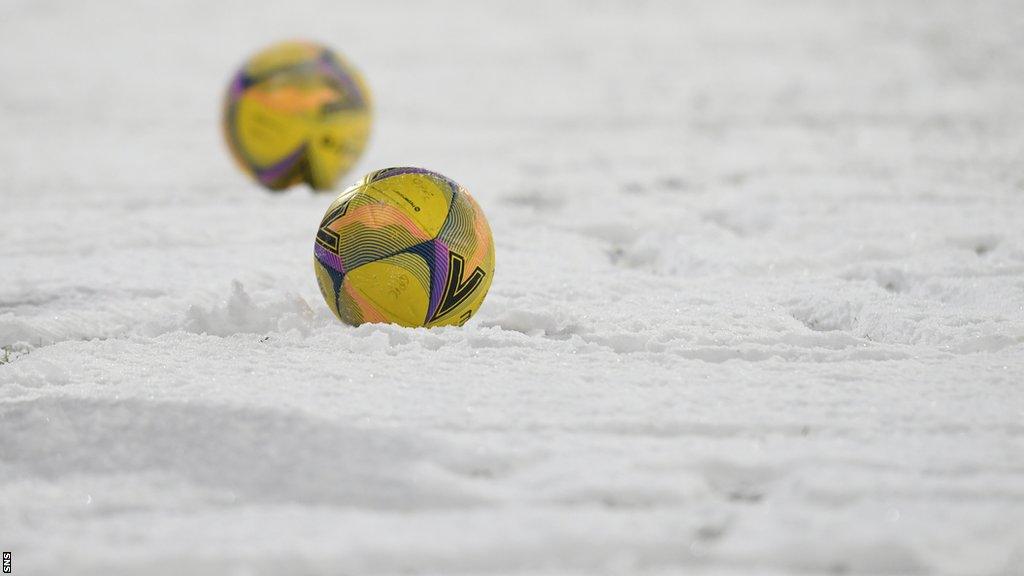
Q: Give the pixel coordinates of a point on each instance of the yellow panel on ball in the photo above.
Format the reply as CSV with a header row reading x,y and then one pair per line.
x,y
425,200
406,246
296,112
396,289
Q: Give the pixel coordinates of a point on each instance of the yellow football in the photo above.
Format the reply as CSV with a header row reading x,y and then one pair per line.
x,y
296,112
406,246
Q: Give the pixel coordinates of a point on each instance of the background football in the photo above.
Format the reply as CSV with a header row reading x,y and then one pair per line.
x,y
406,246
296,112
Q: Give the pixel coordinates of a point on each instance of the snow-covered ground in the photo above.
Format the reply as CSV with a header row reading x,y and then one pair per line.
x,y
759,302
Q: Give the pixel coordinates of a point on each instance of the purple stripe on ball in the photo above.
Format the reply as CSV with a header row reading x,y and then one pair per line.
x,y
237,86
274,173
328,258
438,276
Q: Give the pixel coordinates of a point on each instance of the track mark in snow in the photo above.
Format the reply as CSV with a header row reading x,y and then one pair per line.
x,y
556,326
736,483
753,353
666,184
980,244
34,374
535,200
831,340
625,342
255,455
889,278
682,429
27,300
741,222
836,317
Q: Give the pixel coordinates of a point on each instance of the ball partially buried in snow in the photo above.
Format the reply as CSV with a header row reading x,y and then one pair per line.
x,y
406,246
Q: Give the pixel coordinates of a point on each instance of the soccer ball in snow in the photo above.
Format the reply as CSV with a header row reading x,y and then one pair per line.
x,y
406,246
296,112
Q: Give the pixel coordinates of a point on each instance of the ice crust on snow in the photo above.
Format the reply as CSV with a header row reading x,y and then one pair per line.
x,y
758,308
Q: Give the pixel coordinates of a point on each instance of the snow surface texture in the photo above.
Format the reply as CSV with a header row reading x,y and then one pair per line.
x,y
759,306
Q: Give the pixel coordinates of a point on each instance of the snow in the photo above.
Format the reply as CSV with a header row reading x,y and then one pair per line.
x,y
758,309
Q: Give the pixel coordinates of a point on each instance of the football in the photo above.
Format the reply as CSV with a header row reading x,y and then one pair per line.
x,y
406,246
297,112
